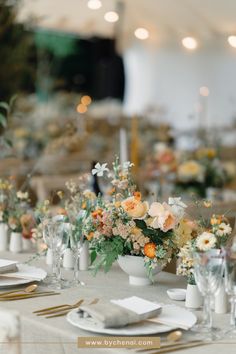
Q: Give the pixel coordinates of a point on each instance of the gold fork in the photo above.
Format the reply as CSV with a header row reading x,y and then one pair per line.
x,y
56,307
65,312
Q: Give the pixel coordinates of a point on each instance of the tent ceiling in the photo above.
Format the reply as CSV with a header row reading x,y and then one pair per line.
x,y
165,19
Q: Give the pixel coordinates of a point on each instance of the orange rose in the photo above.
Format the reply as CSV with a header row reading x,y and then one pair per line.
x,y
134,207
150,249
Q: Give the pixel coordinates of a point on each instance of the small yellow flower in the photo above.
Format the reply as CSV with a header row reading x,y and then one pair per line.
x,y
207,203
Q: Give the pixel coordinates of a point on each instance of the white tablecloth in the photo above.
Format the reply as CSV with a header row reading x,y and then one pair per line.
x,y
56,336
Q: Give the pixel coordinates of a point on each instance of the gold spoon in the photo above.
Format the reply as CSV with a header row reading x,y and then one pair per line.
x,y
29,289
174,336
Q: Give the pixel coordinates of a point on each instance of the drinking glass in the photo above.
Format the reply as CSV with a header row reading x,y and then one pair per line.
x,y
208,273
76,243
230,287
48,230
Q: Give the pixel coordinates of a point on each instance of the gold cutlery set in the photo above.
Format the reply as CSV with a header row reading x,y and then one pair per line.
x,y
27,293
61,310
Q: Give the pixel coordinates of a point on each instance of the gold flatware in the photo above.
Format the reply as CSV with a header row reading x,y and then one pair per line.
x,y
29,289
180,346
29,294
56,307
26,297
170,340
63,312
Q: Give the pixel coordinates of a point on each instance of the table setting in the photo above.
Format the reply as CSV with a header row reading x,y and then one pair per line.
x,y
117,284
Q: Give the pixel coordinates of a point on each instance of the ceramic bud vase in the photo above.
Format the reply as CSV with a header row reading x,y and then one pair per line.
x,y
68,259
49,257
15,242
84,258
26,244
221,301
3,237
194,298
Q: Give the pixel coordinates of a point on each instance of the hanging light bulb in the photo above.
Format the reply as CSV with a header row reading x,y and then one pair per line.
x,y
190,43
111,16
232,41
94,4
141,33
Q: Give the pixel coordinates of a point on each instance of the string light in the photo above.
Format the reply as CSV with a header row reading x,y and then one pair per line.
x,y
189,43
81,108
94,4
86,100
141,33
111,16
232,41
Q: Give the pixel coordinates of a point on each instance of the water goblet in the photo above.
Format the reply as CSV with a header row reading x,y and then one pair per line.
x,y
208,273
230,287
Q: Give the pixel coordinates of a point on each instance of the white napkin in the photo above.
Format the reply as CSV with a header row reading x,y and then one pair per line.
x,y
24,272
138,305
172,315
7,266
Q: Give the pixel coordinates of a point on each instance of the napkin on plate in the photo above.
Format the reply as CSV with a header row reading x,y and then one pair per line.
x,y
119,313
7,266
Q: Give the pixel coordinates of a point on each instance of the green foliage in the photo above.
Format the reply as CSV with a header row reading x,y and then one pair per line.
x,y
16,51
156,236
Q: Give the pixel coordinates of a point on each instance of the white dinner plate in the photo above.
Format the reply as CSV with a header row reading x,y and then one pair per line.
x,y
28,273
137,329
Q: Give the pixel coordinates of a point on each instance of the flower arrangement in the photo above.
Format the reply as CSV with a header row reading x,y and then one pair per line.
x,y
126,224
5,188
208,234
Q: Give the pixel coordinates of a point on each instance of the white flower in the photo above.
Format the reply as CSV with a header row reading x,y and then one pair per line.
x,y
22,195
127,165
177,206
224,229
206,241
99,169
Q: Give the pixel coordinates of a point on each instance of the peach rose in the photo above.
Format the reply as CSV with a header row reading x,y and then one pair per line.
x,y
163,217
135,207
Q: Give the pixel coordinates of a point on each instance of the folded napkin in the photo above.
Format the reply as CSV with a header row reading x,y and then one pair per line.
x,y
7,266
118,313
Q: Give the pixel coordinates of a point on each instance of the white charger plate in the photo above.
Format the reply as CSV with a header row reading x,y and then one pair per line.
x,y
137,329
31,274
142,328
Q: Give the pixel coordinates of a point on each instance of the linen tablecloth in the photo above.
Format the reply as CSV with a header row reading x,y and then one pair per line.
x,y
57,336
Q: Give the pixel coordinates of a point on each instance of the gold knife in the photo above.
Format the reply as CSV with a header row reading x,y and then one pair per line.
x,y
26,297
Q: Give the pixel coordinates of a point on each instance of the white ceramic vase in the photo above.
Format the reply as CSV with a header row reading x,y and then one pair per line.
x,y
3,237
135,268
15,245
68,259
26,244
194,298
84,259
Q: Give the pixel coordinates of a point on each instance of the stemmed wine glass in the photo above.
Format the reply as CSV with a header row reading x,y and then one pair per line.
x,y
56,236
76,244
230,287
208,271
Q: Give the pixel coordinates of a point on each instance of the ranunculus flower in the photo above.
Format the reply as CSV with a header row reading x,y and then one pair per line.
x,y
163,217
135,207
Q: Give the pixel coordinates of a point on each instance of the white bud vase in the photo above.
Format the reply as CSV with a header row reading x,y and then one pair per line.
x,y
221,301
49,257
26,244
194,298
68,259
3,237
15,242
84,256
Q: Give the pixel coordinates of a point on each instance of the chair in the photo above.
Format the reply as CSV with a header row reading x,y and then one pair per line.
x,y
9,332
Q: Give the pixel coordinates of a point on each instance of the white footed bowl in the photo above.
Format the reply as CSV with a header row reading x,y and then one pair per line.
x,y
134,267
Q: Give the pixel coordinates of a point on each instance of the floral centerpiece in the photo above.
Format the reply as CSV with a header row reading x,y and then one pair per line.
x,y
208,234
126,225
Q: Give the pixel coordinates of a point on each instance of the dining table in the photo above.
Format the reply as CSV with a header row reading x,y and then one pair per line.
x,y
40,335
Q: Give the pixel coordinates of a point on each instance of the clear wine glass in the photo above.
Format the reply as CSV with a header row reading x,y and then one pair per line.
x,y
208,273
60,241
230,287
48,230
